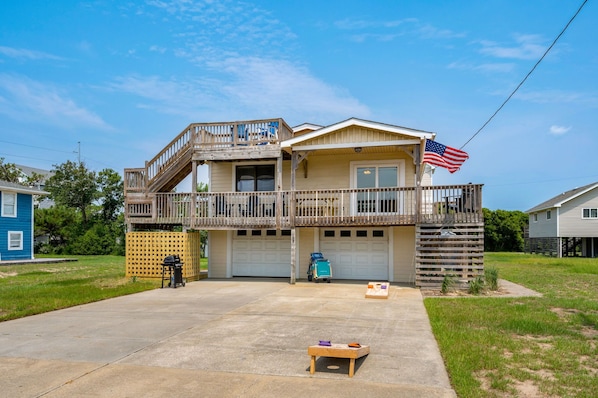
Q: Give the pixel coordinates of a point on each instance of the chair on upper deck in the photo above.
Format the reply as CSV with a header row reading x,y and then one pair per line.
x,y
242,133
251,208
465,203
222,208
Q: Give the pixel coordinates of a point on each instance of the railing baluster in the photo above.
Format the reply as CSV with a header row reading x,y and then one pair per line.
x,y
376,206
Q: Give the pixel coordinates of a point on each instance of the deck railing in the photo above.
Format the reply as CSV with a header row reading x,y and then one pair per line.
x,y
340,207
207,137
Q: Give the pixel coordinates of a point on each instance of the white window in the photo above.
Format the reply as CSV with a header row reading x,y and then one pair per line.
x,y
535,217
378,179
548,214
9,204
589,213
15,240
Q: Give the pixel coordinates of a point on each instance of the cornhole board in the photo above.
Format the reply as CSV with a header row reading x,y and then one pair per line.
x,y
336,351
377,290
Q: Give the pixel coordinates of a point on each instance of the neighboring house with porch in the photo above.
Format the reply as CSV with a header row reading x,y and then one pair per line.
x,y
566,225
356,191
16,221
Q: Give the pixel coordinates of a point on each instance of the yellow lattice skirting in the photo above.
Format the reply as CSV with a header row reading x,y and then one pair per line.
x,y
146,252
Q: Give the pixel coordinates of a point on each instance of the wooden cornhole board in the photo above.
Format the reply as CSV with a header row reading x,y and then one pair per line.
x,y
337,351
377,290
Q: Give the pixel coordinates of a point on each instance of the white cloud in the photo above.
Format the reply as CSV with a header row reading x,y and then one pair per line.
x,y
526,47
487,67
431,32
359,24
30,100
556,97
21,53
247,88
389,30
559,130
281,85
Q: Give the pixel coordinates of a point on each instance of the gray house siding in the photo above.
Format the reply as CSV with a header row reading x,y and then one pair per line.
x,y
571,219
544,227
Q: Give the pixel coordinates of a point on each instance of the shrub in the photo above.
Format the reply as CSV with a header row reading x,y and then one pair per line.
x,y
476,286
491,275
447,283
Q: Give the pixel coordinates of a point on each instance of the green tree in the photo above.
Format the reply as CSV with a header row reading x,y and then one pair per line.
x,y
503,230
73,185
87,218
111,194
10,172
56,223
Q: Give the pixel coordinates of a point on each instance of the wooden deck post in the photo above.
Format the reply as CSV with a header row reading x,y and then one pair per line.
x,y
292,206
418,183
193,210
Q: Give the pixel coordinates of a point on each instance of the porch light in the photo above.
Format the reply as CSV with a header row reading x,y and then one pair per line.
x,y
357,149
367,171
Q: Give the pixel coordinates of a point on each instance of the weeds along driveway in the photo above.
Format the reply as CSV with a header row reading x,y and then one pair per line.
x,y
250,327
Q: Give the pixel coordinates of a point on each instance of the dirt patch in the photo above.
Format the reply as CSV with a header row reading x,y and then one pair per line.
x,y
565,313
528,389
7,274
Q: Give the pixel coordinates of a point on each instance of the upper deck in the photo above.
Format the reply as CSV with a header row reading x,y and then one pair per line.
x,y
199,142
285,209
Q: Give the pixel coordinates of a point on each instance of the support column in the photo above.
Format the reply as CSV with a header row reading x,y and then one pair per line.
x,y
279,205
193,210
418,182
292,217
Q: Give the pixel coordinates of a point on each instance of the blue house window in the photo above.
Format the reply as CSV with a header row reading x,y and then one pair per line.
x,y
15,240
9,204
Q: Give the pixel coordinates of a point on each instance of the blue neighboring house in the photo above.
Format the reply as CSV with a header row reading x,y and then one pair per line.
x,y
16,221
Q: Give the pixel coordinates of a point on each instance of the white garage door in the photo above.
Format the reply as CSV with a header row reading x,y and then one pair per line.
x,y
262,253
360,253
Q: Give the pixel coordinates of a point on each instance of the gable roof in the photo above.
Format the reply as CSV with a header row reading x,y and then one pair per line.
x,y
564,197
28,171
18,188
307,126
416,134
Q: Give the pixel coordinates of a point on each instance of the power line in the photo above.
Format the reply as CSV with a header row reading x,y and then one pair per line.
x,y
33,146
528,75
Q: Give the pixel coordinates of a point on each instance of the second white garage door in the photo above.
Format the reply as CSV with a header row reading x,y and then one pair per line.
x,y
360,253
265,253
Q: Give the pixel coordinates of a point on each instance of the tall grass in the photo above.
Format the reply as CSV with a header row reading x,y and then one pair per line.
x,y
527,346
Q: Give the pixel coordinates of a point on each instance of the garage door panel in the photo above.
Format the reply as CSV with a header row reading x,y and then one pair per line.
x,y
362,246
265,256
355,257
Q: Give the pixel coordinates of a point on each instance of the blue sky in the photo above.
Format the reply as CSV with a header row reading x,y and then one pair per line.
x,y
125,77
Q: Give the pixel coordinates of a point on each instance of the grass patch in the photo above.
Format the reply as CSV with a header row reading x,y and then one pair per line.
x,y
509,347
28,289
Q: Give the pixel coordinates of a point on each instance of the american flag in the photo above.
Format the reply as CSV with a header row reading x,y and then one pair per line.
x,y
444,156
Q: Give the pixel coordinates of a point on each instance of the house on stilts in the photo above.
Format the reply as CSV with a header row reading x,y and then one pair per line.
x,y
356,190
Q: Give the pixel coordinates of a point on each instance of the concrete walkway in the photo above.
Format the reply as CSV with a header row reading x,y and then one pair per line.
x,y
233,338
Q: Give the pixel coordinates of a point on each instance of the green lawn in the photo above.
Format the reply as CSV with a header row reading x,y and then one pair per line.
x,y
492,346
510,347
28,289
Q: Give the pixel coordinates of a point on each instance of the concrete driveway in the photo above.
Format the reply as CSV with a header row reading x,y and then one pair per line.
x,y
226,338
